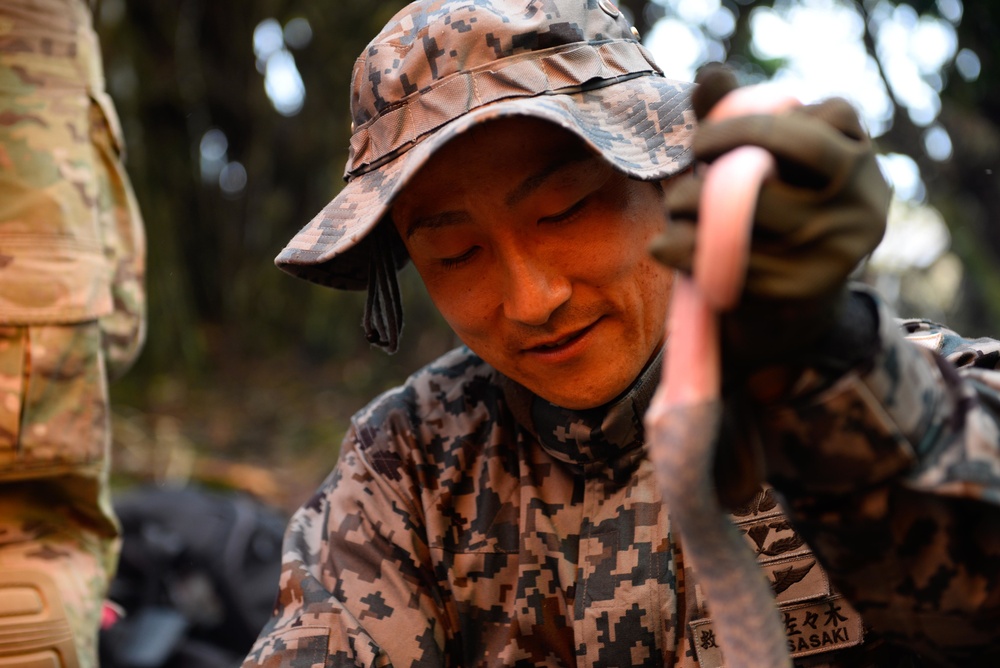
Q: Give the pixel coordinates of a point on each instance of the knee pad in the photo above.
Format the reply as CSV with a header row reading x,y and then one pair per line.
x,y
34,629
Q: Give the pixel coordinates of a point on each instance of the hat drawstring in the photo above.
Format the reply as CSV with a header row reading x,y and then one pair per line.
x,y
383,322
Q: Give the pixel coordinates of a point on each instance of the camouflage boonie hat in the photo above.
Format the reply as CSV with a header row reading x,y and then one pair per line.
x,y
442,66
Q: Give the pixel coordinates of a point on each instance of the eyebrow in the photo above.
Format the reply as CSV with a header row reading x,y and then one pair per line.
x,y
536,180
436,221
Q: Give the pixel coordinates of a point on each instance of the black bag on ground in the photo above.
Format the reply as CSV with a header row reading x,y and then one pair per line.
x,y
197,578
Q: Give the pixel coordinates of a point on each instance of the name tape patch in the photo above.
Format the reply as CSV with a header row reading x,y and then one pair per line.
x,y
810,628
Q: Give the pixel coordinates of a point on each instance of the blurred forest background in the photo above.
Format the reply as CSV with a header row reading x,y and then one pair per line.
x,y
236,119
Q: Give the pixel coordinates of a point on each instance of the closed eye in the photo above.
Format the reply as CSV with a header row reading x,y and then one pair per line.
x,y
567,215
458,260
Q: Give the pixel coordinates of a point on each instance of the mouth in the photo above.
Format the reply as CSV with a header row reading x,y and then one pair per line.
x,y
563,344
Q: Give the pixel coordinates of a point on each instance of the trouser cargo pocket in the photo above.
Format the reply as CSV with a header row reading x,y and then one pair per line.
x,y
53,399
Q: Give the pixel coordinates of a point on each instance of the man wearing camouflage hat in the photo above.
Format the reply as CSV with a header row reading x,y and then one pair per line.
x,y
71,316
499,507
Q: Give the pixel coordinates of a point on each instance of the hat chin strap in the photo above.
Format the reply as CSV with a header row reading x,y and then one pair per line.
x,y
383,321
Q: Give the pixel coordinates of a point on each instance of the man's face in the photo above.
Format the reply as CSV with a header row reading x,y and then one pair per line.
x,y
534,250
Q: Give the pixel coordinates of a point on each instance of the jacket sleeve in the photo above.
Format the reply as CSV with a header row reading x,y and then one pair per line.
x,y
356,587
892,474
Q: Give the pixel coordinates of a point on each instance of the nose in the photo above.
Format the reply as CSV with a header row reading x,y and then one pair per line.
x,y
533,289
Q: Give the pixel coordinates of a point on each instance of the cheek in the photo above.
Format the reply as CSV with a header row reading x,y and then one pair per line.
x,y
627,258
465,306
657,281
638,217
648,281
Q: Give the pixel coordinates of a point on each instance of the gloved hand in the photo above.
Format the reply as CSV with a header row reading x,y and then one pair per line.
x,y
822,213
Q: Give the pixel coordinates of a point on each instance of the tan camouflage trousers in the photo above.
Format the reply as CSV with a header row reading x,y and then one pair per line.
x,y
58,535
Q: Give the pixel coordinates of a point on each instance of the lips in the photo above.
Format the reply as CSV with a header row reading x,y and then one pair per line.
x,y
562,342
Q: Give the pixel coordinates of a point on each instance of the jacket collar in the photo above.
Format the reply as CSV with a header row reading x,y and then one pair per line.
x,y
611,434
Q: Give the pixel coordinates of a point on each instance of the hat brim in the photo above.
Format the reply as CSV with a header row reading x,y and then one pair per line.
x,y
642,126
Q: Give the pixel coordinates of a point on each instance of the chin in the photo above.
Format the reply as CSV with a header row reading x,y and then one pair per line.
x,y
573,399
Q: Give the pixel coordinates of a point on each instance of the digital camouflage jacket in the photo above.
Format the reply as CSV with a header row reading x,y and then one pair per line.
x,y
468,523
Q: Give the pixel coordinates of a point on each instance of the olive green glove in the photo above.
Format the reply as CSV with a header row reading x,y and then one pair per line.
x,y
822,213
